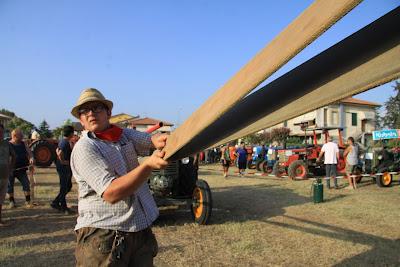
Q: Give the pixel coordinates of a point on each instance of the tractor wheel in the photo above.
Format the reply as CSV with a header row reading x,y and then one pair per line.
x,y
298,169
202,202
358,172
277,170
265,167
250,164
384,180
259,165
43,152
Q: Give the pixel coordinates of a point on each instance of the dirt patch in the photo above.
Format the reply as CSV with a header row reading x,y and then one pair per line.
x,y
256,221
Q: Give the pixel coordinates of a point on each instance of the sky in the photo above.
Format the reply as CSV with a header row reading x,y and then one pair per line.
x,y
159,59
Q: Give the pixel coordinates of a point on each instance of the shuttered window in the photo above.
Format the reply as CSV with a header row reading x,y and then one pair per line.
x,y
354,119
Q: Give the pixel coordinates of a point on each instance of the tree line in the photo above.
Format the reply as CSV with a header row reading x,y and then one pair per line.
x,y
27,127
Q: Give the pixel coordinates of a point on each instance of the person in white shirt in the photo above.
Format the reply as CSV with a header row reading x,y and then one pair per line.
x,y
331,152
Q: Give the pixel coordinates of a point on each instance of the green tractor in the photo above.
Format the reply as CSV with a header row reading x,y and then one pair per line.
x,y
178,185
377,160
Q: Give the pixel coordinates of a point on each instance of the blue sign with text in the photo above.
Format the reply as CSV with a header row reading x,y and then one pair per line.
x,y
386,134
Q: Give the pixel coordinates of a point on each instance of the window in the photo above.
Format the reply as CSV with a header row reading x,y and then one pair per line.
x,y
353,119
285,124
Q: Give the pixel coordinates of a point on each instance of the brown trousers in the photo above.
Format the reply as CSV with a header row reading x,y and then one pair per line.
x,y
101,247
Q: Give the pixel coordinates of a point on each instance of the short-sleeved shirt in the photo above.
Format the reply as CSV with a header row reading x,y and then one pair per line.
x,y
65,147
242,154
226,154
330,149
95,163
21,153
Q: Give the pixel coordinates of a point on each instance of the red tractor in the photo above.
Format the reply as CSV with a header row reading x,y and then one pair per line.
x,y
44,150
297,163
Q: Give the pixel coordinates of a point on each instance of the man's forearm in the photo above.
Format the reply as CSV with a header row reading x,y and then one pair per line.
x,y
126,185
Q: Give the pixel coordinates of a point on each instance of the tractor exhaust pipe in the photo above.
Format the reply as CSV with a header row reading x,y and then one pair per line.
x,y
155,127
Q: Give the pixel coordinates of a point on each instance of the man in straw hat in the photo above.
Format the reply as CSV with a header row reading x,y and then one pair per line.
x,y
116,208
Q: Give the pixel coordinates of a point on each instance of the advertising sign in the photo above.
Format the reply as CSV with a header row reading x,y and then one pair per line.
x,y
386,134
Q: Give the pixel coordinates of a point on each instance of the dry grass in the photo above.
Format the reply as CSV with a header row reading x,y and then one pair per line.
x,y
256,221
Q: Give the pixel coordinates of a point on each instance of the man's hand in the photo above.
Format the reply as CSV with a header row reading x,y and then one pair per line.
x,y
155,161
159,140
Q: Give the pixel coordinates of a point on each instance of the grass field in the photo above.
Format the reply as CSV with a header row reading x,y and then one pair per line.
x,y
256,221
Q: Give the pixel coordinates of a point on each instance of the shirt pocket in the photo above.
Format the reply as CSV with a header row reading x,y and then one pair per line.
x,y
130,155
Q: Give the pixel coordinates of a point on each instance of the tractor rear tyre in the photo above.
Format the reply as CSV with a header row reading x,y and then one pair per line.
x,y
43,152
358,172
259,165
277,170
298,169
265,168
201,203
384,180
250,164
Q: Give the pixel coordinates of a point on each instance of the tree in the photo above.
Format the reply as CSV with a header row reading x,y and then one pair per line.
x,y
378,119
280,135
25,126
391,119
44,130
57,132
17,122
266,137
7,113
252,138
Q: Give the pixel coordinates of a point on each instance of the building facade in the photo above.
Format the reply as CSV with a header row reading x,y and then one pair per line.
x,y
355,116
143,124
4,119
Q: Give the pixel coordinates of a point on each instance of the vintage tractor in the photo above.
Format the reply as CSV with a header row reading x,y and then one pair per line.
x,y
377,160
297,163
178,185
43,151
264,163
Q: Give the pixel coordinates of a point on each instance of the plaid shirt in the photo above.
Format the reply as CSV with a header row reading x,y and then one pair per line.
x,y
95,164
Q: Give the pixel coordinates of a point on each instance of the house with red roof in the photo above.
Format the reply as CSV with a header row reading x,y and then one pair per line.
x,y
354,115
142,124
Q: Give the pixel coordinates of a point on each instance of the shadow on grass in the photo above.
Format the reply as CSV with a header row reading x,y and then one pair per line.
x,y
64,257
383,252
243,203
44,220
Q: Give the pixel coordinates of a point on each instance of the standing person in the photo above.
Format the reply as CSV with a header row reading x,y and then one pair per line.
x,y
241,153
23,160
7,160
64,171
331,151
225,159
351,155
263,152
116,208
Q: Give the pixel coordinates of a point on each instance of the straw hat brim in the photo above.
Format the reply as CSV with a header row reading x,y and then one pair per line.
x,y
75,109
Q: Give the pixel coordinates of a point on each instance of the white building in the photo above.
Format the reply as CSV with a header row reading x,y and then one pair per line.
x,y
142,124
355,116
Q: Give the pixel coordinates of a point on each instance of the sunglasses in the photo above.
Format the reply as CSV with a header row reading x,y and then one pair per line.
x,y
95,109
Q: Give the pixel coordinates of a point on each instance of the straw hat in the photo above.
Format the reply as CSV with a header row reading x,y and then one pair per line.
x,y
89,95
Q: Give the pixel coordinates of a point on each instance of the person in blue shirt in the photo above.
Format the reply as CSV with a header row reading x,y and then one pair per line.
x,y
241,154
64,171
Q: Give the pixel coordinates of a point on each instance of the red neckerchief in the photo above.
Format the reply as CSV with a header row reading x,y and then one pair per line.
x,y
112,134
